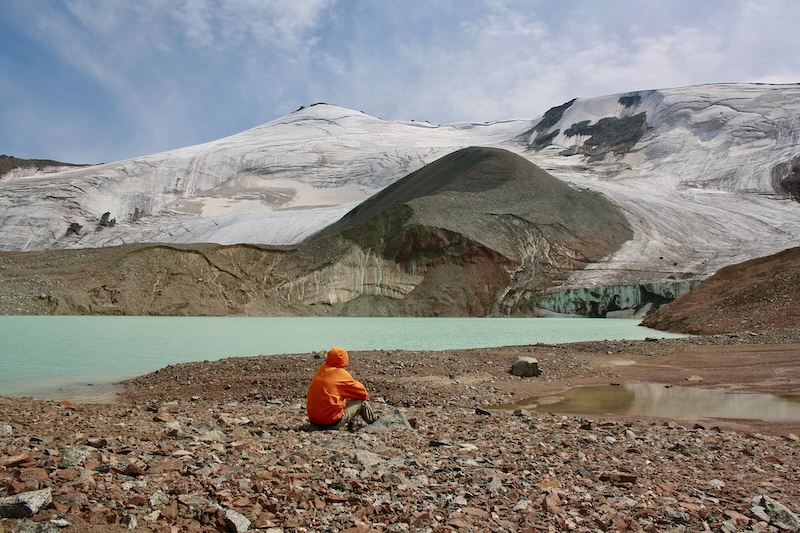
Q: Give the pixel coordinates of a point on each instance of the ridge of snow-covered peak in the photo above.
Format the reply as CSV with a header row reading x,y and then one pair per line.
x,y
333,120
325,111
321,112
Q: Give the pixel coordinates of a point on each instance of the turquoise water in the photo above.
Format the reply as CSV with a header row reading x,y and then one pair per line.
x,y
78,357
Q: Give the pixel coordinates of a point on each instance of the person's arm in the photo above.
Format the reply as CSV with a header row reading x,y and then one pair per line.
x,y
352,389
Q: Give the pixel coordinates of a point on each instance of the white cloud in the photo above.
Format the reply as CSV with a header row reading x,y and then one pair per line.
x,y
229,24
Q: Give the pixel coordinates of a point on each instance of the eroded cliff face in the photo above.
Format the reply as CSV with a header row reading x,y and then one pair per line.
x,y
140,279
356,273
407,271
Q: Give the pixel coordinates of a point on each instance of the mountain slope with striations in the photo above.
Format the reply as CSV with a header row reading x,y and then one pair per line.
x,y
705,177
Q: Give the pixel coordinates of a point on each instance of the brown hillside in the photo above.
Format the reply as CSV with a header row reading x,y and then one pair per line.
x,y
756,295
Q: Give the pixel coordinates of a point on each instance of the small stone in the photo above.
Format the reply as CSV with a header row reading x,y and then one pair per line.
x,y
135,501
193,500
74,457
29,526
18,460
495,485
676,516
737,517
170,512
367,458
182,453
392,479
215,435
135,468
129,521
522,505
618,477
97,442
235,522
459,524
717,484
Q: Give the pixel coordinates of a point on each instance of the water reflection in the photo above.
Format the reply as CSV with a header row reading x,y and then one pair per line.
x,y
651,399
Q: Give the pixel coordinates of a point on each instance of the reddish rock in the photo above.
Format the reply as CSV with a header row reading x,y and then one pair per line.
x,y
170,511
23,459
136,501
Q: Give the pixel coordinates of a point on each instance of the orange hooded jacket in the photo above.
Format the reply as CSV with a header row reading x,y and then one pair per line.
x,y
330,389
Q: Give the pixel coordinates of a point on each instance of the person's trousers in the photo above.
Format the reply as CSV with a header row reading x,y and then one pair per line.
x,y
356,408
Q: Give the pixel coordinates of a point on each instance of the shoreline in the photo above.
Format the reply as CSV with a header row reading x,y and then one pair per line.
x,y
66,381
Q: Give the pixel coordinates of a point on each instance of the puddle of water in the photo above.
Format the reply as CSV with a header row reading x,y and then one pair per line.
x,y
81,393
652,399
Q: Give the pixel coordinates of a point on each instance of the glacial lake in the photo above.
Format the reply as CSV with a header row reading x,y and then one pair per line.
x,y
81,357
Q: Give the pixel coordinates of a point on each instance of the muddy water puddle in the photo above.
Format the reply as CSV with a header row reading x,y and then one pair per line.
x,y
658,400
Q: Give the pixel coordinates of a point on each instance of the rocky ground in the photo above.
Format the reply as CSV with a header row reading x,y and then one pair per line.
x,y
219,446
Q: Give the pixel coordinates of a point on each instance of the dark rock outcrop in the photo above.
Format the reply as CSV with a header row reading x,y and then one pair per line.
x,y
610,135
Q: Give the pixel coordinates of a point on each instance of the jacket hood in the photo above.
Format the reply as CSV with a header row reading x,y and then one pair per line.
x,y
337,357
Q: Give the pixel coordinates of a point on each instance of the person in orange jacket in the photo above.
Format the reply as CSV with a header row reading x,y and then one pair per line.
x,y
334,398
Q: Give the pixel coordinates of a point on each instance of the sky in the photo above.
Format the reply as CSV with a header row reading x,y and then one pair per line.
x,y
91,81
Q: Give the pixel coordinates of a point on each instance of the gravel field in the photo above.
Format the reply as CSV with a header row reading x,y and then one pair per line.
x,y
220,446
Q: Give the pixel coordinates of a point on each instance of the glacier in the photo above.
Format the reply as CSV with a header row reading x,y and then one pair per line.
x,y
699,181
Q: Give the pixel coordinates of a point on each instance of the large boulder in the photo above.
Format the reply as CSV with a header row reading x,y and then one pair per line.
x,y
526,367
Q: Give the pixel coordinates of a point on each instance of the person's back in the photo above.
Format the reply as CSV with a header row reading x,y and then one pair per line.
x,y
334,398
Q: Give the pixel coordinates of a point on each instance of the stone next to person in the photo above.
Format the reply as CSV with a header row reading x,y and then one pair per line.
x,y
335,398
